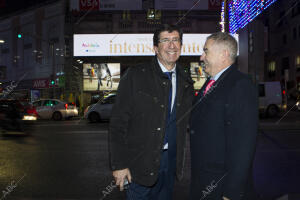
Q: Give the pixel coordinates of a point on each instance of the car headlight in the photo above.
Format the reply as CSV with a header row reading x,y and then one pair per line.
x,y
29,118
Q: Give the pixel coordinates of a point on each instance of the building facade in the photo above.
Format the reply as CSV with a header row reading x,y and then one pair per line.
x,y
283,56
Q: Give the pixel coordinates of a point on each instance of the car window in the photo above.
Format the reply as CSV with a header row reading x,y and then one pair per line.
x,y
37,103
261,89
50,103
109,100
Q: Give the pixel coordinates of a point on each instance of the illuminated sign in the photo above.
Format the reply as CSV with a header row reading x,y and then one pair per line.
x,y
242,12
131,44
102,5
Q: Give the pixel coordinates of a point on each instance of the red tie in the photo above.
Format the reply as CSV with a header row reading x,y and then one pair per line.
x,y
210,83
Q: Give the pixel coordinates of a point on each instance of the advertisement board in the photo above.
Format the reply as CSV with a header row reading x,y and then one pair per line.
x,y
197,74
188,4
101,76
131,44
41,83
102,5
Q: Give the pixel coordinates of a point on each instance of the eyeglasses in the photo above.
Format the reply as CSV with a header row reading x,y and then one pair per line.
x,y
168,41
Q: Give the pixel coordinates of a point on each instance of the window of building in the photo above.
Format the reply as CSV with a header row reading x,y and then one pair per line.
x,y
281,18
284,39
295,33
296,9
4,51
153,15
285,64
271,68
297,63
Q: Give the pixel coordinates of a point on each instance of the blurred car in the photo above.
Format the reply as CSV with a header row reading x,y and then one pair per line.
x,y
55,109
100,110
16,116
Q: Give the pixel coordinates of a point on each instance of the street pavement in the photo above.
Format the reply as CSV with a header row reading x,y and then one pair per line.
x,y
69,160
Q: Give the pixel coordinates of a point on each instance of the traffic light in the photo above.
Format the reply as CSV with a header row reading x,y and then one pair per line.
x,y
52,82
19,35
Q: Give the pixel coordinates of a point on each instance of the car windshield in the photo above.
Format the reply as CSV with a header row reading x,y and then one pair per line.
x,y
50,103
109,100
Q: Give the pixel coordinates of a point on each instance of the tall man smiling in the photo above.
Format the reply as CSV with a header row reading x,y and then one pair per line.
x,y
223,126
147,132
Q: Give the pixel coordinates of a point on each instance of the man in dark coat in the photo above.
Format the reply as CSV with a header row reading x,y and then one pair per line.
x,y
223,125
148,125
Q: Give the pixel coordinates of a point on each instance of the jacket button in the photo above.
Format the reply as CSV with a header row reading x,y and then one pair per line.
x,y
151,174
162,106
164,83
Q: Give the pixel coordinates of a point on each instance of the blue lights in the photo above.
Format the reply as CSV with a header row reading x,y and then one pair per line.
x,y
242,12
222,22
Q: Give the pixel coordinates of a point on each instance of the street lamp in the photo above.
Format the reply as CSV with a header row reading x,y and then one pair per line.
x,y
2,41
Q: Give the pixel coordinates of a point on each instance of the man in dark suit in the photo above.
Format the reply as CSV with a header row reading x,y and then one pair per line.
x,y
223,125
147,131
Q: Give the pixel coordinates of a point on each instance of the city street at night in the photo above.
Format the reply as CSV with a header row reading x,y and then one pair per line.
x,y
97,93
69,160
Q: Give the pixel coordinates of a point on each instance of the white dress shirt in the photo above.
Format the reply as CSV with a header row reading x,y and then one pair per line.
x,y
173,87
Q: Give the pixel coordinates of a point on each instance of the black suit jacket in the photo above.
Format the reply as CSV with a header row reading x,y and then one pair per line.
x,y
138,121
223,137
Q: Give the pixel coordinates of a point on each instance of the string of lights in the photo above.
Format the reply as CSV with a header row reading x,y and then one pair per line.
x,y
242,12
222,22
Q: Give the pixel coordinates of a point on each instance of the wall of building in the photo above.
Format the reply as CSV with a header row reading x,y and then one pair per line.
x,y
30,58
283,21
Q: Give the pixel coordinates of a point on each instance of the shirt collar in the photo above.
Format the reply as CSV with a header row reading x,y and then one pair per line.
x,y
217,76
165,69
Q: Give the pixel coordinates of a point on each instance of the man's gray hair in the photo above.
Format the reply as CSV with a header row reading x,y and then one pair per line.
x,y
228,41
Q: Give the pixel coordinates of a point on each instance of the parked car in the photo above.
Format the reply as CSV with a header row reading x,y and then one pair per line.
x,y
16,116
270,98
55,109
100,110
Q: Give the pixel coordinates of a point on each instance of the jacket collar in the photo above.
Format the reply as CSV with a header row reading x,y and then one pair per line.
x,y
179,71
220,79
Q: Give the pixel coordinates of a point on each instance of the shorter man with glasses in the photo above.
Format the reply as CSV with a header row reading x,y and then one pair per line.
x,y
148,125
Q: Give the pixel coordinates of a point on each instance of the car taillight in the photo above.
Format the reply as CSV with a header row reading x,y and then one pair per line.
x,y
31,110
66,106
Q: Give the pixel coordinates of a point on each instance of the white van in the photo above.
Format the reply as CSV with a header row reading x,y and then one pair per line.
x,y
270,98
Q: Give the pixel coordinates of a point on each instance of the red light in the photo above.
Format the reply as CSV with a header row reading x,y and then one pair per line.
x,y
66,106
283,92
196,93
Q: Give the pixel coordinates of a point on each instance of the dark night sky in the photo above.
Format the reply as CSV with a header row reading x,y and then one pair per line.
x,y
10,6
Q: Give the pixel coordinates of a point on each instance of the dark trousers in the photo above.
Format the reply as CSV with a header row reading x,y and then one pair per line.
x,y
161,190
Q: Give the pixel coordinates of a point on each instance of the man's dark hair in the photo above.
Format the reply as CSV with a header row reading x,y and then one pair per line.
x,y
166,27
